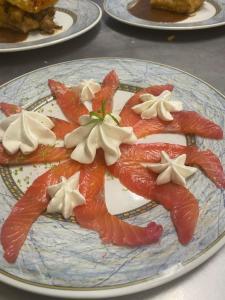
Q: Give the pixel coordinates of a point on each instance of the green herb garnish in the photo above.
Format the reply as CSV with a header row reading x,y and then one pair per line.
x,y
114,119
100,115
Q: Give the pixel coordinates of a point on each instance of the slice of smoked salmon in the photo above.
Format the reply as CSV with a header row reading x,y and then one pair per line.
x,y
151,152
26,211
186,122
134,176
9,109
92,177
113,230
43,154
90,184
68,100
206,160
61,127
209,164
109,86
128,116
94,215
179,201
183,207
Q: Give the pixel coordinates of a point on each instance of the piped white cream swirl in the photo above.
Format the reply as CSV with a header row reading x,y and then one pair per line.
x,y
25,131
160,106
65,196
94,134
88,89
172,170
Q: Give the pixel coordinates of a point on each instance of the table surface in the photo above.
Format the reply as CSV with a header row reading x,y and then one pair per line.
x,y
200,53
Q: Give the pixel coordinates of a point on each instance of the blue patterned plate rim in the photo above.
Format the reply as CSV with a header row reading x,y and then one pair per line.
x,y
137,285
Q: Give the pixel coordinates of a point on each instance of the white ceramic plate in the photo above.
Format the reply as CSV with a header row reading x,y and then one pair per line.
x,y
75,16
211,14
62,259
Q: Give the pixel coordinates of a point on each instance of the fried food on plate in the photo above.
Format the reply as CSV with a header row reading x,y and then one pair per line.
x,y
179,6
28,15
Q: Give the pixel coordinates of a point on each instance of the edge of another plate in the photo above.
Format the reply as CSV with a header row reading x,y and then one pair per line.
x,y
58,40
160,26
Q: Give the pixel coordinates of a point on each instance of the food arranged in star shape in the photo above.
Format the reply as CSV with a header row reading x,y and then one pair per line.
x,y
98,141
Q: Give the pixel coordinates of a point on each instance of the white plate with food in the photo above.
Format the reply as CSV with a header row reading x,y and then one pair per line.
x,y
127,243
168,15
25,27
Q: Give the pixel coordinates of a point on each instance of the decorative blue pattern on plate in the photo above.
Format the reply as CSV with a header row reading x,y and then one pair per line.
x,y
214,9
62,259
76,17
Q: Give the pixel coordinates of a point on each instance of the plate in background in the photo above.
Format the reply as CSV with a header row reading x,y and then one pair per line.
x,y
75,16
211,14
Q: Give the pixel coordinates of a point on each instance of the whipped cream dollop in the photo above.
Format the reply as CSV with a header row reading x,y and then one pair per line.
x,y
88,89
94,134
25,131
65,196
157,106
172,170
